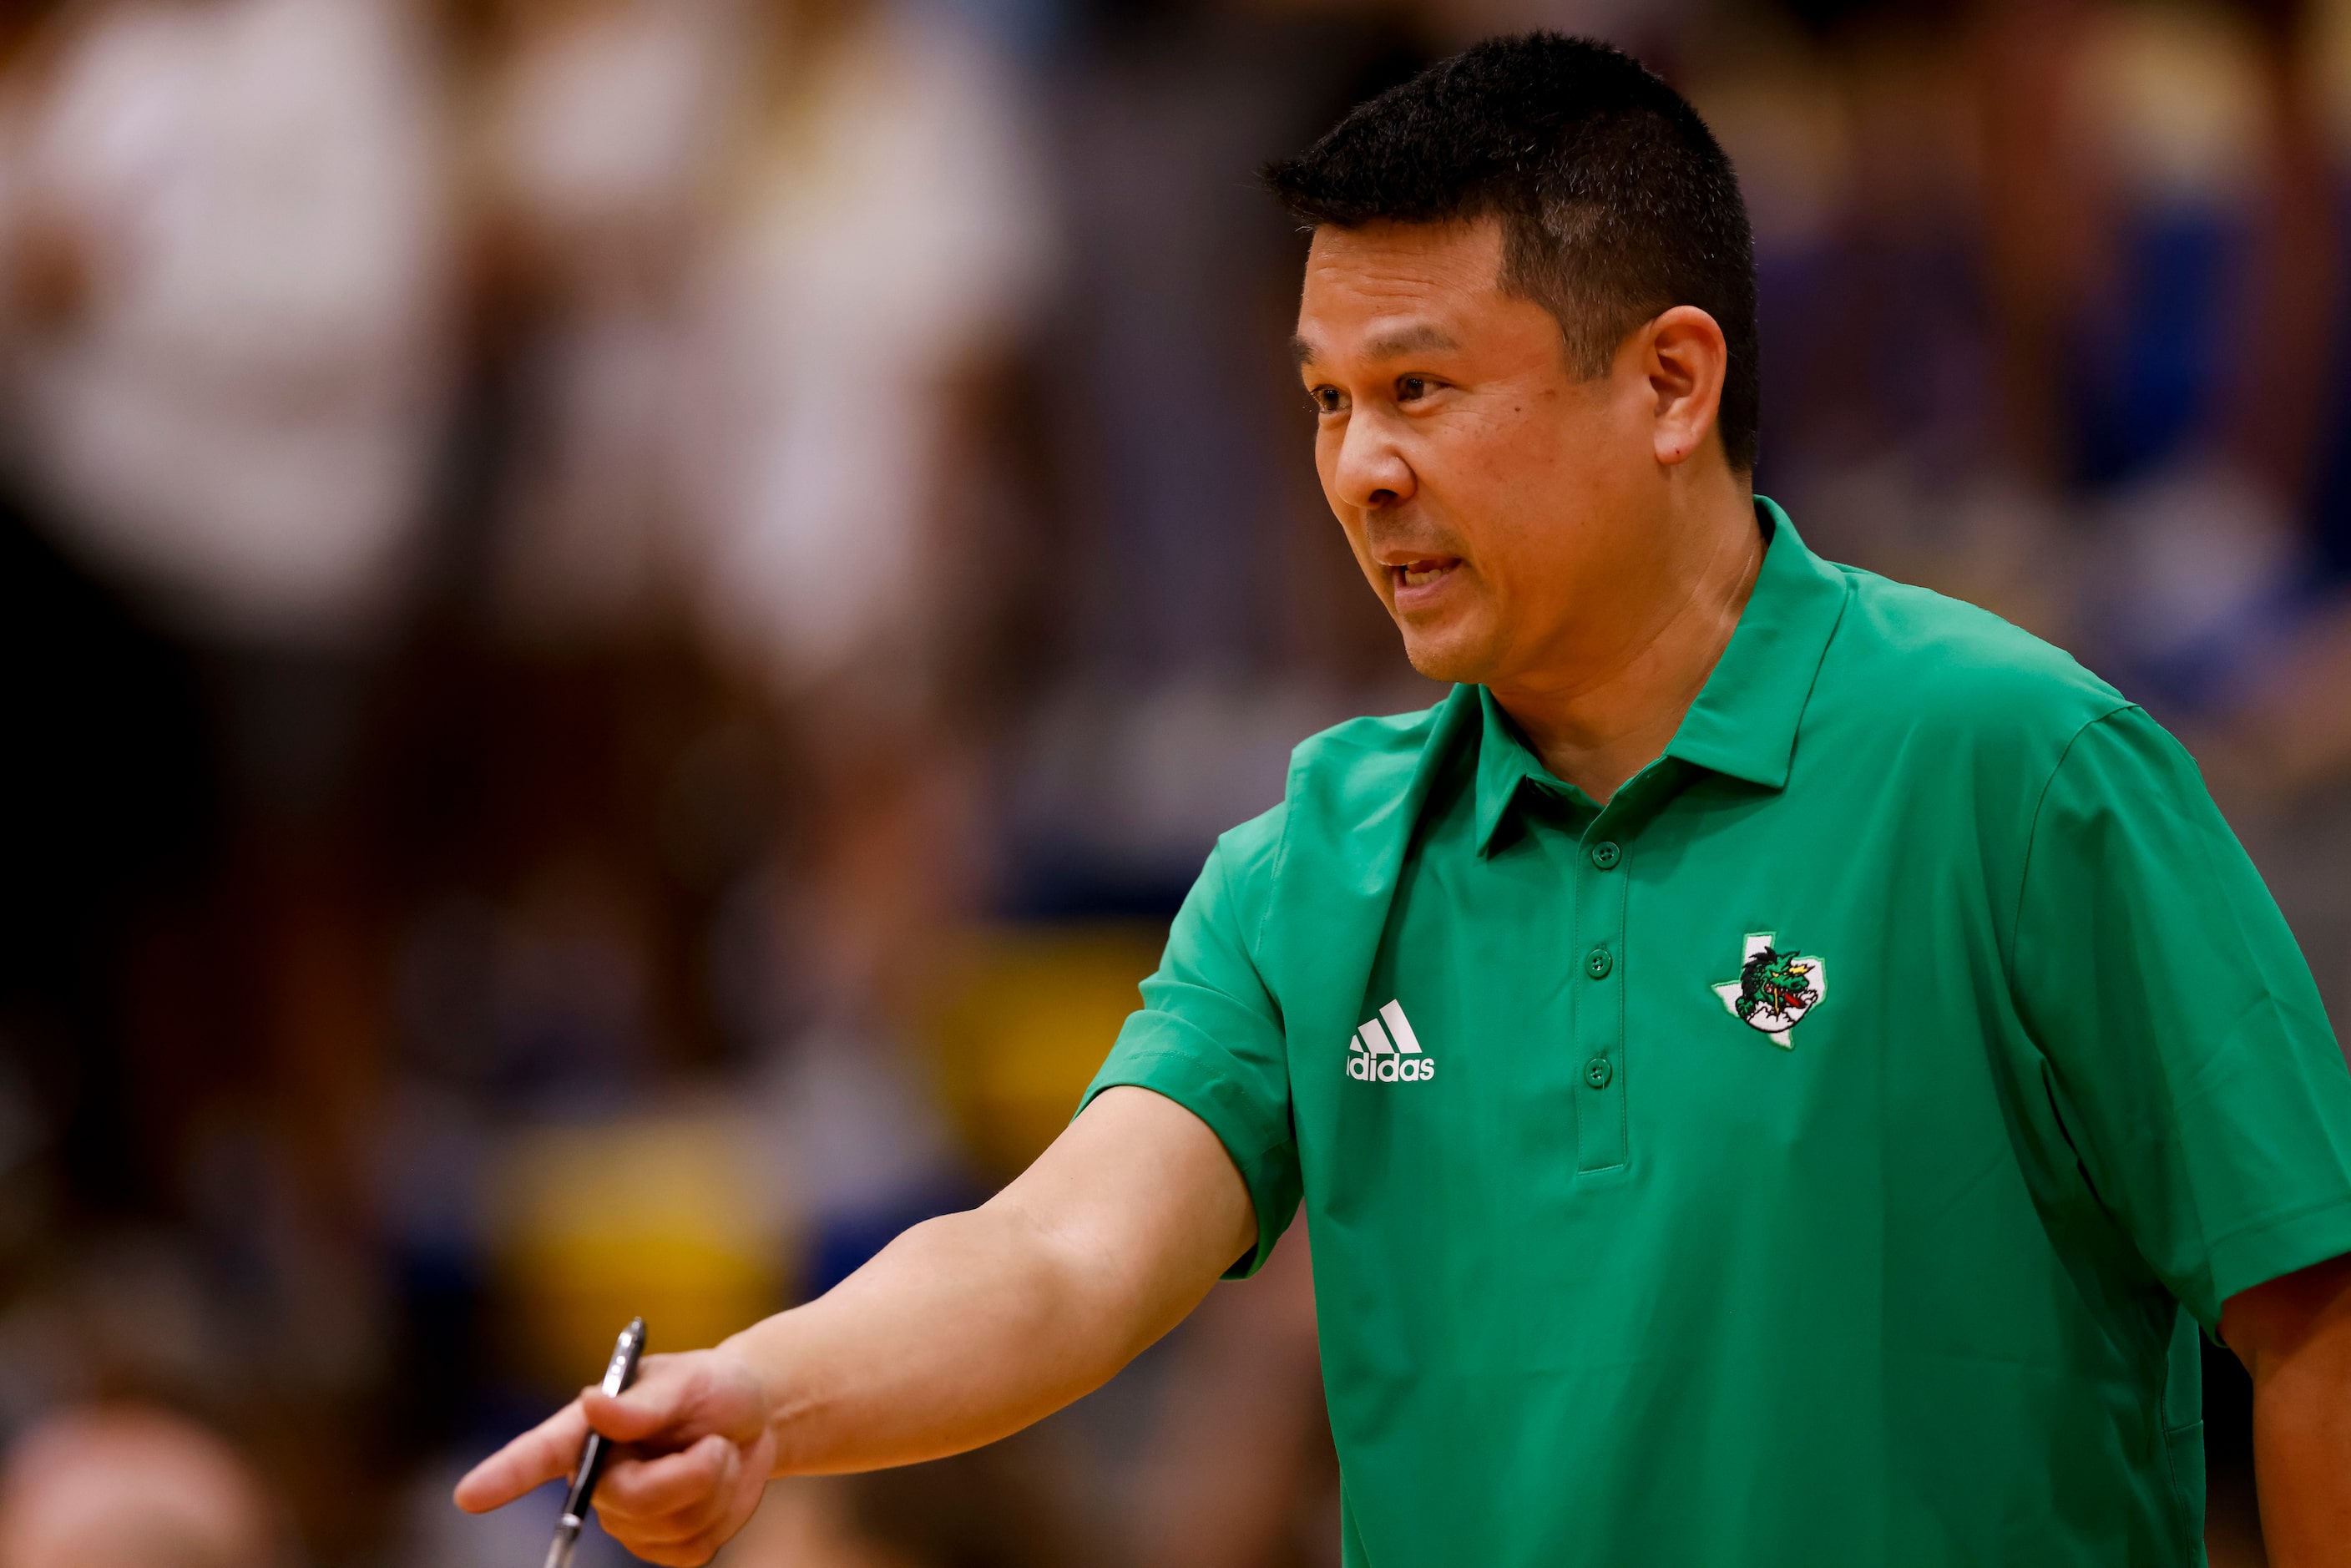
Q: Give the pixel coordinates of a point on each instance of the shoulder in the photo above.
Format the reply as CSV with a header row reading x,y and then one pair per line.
x,y
1343,782
1393,738
1245,855
1913,662
1344,777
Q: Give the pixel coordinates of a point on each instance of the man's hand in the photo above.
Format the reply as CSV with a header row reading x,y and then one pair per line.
x,y
699,1449
2293,1334
964,1329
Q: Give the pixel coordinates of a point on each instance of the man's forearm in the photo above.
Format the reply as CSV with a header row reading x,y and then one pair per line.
x,y
2295,1337
969,1327
2302,1453
964,1330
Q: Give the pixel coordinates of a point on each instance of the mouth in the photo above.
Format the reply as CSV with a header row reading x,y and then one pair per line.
x,y
1419,580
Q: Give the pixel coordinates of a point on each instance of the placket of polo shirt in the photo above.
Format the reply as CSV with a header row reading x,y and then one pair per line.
x,y
1601,1133
1603,884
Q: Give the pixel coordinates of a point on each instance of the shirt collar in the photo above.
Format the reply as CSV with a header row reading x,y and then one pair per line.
x,y
1504,763
1744,721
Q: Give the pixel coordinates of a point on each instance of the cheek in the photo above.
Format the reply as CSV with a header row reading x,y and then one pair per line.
x,y
1496,481
1523,482
1512,442
1618,432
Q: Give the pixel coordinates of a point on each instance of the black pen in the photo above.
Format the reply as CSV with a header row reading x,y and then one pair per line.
x,y
618,1374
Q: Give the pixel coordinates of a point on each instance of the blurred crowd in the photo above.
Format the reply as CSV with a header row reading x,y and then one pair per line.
x,y
624,619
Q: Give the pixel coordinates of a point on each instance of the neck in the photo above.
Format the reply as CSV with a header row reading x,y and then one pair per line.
x,y
1599,711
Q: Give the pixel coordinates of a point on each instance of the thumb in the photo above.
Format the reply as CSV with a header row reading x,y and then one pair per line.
x,y
661,1405
628,1418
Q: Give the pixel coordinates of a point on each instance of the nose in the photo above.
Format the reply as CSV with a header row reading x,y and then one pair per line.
x,y
1370,472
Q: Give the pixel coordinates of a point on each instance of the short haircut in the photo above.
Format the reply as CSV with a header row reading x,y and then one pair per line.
x,y
1616,203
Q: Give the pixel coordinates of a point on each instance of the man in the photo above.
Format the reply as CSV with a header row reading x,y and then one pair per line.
x,y
1781,1065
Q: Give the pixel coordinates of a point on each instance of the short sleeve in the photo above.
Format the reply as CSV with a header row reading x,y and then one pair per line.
x,y
1210,1034
2189,1054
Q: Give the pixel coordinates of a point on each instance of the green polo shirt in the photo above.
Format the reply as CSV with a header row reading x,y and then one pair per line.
x,y
1821,1154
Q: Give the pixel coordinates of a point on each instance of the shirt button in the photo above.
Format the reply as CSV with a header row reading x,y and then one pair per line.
x,y
1595,1073
1597,963
1606,854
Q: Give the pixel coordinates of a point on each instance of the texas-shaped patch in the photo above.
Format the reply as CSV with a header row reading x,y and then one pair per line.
x,y
1776,988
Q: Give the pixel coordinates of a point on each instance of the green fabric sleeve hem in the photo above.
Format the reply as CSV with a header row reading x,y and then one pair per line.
x,y
2276,1247
1182,1080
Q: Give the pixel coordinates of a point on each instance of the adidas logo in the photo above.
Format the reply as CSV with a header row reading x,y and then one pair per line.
x,y
1385,1050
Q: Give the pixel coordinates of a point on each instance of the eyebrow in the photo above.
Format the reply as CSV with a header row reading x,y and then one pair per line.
x,y
1419,340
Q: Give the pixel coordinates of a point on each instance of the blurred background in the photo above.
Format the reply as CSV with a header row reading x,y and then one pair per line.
x,y
622,621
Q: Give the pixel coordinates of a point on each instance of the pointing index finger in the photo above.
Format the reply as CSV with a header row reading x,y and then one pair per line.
x,y
545,1453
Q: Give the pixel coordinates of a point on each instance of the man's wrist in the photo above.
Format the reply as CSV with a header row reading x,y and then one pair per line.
x,y
754,1358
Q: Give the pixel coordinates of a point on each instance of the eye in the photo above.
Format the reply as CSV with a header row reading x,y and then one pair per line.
x,y
1328,400
1409,388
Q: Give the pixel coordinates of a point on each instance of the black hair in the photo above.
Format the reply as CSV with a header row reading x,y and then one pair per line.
x,y
1616,201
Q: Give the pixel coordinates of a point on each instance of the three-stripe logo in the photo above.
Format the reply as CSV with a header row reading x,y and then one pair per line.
x,y
1385,1050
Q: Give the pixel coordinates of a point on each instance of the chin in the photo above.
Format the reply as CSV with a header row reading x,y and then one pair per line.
x,y
1448,655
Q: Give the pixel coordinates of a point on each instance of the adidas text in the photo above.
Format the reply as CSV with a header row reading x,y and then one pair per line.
x,y
1387,1050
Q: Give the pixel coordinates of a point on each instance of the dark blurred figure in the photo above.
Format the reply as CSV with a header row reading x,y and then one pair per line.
x,y
106,811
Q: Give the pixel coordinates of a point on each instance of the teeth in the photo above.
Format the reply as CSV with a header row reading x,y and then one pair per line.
x,y
1424,572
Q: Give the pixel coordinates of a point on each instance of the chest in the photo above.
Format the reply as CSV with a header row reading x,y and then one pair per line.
x,y
1737,990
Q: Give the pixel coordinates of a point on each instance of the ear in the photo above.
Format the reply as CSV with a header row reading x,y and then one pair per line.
x,y
1685,358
